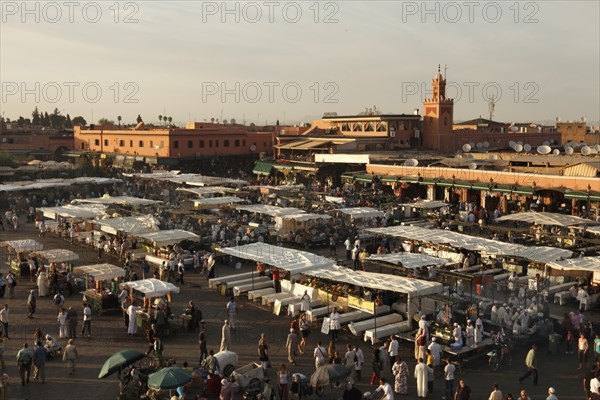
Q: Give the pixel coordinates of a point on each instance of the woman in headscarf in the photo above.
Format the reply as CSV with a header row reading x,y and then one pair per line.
x,y
400,371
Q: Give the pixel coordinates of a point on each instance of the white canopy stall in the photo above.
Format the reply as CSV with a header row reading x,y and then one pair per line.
x,y
148,289
70,211
408,260
216,202
121,200
57,255
547,218
360,212
168,237
101,297
293,222
206,190
576,267
21,246
272,211
130,225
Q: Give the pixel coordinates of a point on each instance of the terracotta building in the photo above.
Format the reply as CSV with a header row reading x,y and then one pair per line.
x,y
170,145
438,118
42,144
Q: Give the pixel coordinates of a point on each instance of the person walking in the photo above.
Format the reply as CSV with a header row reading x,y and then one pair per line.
x,y
449,370
292,346
582,349
530,363
70,355
39,363
551,394
72,320
180,271
334,324
63,330
348,245
320,355
263,352
400,371
59,301
496,393
24,361
225,336
231,312
463,391
304,332
283,377
31,303
360,361
87,320
386,388
421,372
202,343
376,365
436,352
4,384
393,349
4,319
11,281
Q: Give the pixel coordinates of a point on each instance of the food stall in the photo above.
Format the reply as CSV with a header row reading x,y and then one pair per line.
x,y
17,250
158,245
144,291
100,288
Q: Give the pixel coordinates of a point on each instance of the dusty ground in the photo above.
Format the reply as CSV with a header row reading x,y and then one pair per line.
x,y
109,336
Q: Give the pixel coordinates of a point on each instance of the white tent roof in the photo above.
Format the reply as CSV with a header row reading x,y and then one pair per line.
x,y
546,218
151,287
53,183
191,179
22,245
400,284
131,225
594,229
281,257
536,253
304,216
361,212
591,264
215,201
57,255
71,211
123,200
269,210
164,238
207,190
280,187
408,260
101,272
427,204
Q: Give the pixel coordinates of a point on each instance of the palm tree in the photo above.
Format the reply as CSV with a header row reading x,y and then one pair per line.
x,y
119,119
160,117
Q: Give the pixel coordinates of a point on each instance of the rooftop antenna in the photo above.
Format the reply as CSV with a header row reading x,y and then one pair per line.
x,y
492,106
446,71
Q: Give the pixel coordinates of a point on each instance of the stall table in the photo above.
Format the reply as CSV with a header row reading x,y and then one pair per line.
x,y
359,327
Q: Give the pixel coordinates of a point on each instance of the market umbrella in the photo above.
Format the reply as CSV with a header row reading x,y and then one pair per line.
x,y
119,360
329,373
169,378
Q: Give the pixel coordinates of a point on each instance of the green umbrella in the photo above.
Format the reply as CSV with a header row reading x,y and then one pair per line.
x,y
169,378
119,360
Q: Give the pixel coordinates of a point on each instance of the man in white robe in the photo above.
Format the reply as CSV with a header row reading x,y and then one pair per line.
x,y
478,330
457,334
421,375
305,302
436,352
131,313
469,333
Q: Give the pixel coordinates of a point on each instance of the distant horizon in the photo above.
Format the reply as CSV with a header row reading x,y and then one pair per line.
x,y
196,60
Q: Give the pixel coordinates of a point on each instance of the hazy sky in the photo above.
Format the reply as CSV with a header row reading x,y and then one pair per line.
x,y
258,61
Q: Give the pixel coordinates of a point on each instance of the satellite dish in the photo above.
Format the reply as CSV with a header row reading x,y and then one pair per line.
x,y
479,145
514,128
586,150
472,165
411,163
556,152
494,157
518,148
527,147
544,149
470,156
486,144
568,150
520,142
597,147
253,148
546,143
472,144
466,147
512,144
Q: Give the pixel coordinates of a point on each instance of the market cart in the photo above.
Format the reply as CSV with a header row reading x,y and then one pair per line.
x,y
100,288
17,250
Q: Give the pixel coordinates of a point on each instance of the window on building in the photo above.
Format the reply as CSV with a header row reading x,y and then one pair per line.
x,y
225,143
176,144
190,144
141,143
131,143
121,143
162,144
216,143
244,142
237,143
201,144
97,142
210,143
265,145
82,146
106,142
151,143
